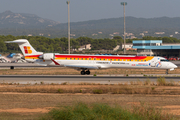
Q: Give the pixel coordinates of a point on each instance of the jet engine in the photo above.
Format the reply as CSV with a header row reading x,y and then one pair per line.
x,y
47,56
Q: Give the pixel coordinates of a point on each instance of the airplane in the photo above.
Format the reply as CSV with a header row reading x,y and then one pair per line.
x,y
85,63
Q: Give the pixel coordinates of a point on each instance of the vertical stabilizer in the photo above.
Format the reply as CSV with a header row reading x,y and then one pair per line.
x,y
25,47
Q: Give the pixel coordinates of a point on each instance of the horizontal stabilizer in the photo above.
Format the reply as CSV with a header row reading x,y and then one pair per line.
x,y
20,41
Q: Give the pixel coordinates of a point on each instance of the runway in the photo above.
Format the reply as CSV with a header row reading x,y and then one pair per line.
x,y
48,79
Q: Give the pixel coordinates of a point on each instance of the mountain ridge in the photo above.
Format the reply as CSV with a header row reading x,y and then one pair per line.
x,y
24,24
9,19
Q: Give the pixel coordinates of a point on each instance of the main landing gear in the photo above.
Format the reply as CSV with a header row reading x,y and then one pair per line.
x,y
83,72
167,71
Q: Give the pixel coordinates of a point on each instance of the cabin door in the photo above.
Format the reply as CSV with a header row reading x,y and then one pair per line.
x,y
153,63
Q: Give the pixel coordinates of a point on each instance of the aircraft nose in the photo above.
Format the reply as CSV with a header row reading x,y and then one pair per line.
x,y
174,66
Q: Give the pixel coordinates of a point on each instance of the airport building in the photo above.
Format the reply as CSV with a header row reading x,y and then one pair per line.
x,y
156,48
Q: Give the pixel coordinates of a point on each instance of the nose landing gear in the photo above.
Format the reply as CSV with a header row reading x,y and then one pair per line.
x,y
83,72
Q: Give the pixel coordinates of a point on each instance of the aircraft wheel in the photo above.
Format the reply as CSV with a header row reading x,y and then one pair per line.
x,y
88,72
167,71
82,72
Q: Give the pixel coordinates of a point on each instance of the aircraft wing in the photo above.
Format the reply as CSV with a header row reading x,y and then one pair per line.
x,y
78,66
82,66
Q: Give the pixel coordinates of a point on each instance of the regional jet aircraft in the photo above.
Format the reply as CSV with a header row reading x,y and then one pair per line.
x,y
87,62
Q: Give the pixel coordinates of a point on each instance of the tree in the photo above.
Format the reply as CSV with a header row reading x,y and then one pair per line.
x,y
2,46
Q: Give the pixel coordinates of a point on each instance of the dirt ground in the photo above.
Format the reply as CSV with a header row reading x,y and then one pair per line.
x,y
24,105
16,105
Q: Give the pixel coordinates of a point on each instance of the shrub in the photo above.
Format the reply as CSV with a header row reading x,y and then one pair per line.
x,y
60,91
161,81
98,91
82,111
42,83
153,88
64,83
147,82
80,91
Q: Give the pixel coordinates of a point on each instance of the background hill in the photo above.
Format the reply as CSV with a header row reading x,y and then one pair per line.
x,y
9,19
28,24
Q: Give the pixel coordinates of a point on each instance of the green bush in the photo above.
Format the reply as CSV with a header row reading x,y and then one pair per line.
x,y
60,91
98,91
81,111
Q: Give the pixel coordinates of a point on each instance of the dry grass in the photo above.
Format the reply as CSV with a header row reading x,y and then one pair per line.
x,y
27,101
68,71
32,101
137,87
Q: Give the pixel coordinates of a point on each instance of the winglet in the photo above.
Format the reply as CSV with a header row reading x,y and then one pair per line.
x,y
56,63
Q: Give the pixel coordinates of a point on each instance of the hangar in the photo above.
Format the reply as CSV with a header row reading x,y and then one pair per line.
x,y
156,48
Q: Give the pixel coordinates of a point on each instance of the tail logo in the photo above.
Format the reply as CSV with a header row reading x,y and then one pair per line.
x,y
27,50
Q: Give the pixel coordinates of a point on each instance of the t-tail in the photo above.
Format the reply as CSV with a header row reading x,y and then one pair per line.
x,y
30,54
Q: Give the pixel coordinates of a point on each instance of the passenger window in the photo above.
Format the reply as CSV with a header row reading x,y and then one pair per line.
x,y
74,58
114,59
85,58
118,60
110,59
78,58
81,58
100,59
89,58
70,58
104,59
94,58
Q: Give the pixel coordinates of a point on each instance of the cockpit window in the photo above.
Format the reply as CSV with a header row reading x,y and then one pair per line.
x,y
164,60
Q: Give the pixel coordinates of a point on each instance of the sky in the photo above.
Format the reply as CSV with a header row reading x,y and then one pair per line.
x,y
83,10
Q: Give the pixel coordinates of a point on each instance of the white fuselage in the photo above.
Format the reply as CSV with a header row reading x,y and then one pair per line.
x,y
154,63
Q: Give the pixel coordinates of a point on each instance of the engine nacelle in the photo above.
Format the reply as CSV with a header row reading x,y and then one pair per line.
x,y
47,56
